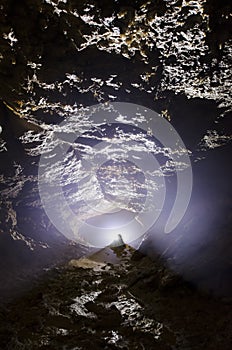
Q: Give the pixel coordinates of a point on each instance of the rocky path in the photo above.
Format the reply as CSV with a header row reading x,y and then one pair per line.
x,y
115,299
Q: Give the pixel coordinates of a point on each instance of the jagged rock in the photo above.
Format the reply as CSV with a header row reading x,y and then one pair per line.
x,y
109,311
171,56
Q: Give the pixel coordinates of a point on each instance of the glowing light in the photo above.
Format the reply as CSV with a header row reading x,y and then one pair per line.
x,y
119,176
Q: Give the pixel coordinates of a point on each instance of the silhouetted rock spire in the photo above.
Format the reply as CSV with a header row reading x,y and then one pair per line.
x,y
118,242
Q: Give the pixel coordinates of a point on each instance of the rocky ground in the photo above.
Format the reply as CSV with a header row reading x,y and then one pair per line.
x,y
116,298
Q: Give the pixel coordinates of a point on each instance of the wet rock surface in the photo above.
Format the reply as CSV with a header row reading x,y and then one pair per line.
x,y
135,304
173,57
56,57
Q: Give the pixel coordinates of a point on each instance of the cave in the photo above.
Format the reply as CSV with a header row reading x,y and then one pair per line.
x,y
115,167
